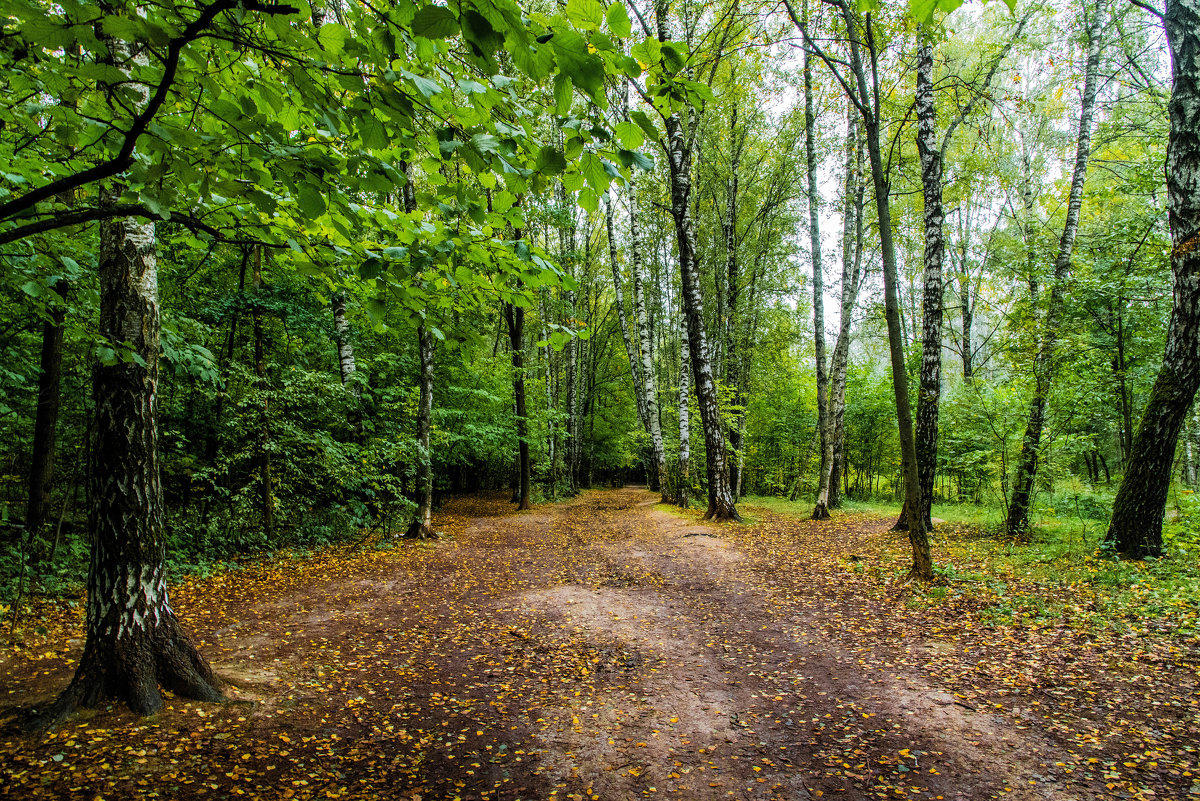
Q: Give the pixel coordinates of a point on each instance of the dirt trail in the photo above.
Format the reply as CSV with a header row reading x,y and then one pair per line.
x,y
601,648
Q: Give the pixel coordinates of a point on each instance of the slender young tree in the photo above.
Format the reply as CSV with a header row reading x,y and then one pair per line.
x,y
825,433
852,242
1136,525
45,425
1017,523
266,491
635,362
422,524
864,92
646,337
734,375
720,498
930,388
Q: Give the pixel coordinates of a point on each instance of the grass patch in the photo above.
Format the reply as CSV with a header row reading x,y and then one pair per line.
x,y
1061,576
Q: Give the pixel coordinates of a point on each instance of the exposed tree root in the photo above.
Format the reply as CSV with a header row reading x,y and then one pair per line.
x,y
131,669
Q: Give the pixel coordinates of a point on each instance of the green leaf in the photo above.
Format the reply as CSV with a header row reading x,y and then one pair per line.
x,y
485,143
572,181
374,135
585,69
643,161
311,202
647,51
550,160
123,28
646,124
618,20
629,134
435,22
595,173
588,199
922,10
563,94
586,14
333,36
32,288
425,86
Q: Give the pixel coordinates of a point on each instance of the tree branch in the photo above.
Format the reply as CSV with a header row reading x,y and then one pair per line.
x,y
124,157
192,223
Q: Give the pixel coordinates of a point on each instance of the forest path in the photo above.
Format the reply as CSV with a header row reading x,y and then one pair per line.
x,y
601,648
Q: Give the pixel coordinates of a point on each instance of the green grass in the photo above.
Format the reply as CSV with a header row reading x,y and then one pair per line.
x,y
1061,574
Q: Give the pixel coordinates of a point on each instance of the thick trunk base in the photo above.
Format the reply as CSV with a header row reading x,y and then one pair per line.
x,y
419,531
722,511
820,512
131,669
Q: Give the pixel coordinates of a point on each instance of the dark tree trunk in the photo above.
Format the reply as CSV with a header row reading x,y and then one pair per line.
x,y
966,309
551,405
867,99
134,643
515,317
45,424
212,446
930,389
265,491
1136,526
1043,368
422,524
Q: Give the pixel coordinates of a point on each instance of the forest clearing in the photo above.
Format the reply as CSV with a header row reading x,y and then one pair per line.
x,y
607,648
336,333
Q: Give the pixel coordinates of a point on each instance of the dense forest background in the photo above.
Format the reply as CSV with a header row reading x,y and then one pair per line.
x,y
416,250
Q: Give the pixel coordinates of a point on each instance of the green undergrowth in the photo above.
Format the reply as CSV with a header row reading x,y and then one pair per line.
x,y
1062,576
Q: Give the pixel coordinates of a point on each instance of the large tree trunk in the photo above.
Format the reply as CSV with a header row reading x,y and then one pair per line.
x,y
852,239
422,525
930,390
1043,368
720,498
45,424
825,433
134,643
1136,525
515,316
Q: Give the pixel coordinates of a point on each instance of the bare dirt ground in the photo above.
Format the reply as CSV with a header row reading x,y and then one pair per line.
x,y
603,648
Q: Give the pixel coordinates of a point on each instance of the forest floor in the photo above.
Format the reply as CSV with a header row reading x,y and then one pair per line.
x,y
608,648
